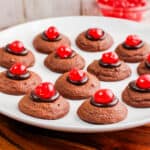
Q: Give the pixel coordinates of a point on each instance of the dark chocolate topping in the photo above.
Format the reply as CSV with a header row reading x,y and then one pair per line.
x,y
101,63
44,37
133,47
18,77
147,64
78,82
23,53
134,87
92,39
113,103
38,99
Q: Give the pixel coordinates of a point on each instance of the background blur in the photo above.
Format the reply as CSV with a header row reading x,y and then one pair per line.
x,y
17,11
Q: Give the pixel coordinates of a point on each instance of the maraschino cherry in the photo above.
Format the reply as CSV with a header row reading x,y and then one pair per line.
x,y
64,51
52,33
16,46
18,69
104,96
110,58
133,41
45,90
77,76
143,81
95,33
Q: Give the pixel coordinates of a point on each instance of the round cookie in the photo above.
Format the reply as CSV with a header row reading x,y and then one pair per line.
x,y
50,40
144,66
93,40
52,107
18,84
15,52
77,84
63,60
137,93
109,68
102,108
133,49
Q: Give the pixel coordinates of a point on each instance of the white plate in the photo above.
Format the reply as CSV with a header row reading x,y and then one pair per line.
x,y
72,26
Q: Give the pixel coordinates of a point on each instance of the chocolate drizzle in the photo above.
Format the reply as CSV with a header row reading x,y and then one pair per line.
x,y
48,100
44,37
92,39
134,87
147,64
72,55
23,53
133,47
18,77
85,79
113,103
101,63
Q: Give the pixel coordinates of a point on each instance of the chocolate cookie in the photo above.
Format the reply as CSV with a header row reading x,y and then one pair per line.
x,y
10,55
137,93
133,50
62,60
18,84
50,40
93,40
106,70
102,111
77,84
51,107
144,66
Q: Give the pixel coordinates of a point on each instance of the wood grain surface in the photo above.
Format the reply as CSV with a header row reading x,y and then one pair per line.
x,y
17,136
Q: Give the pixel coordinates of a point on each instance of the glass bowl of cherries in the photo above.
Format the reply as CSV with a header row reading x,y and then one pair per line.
x,y
135,10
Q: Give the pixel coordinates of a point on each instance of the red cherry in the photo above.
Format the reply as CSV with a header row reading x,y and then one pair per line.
x,y
64,52
77,75
45,90
148,58
52,33
16,46
143,81
18,69
133,40
95,33
110,58
104,96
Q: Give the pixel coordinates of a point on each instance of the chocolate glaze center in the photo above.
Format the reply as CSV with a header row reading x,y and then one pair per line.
x,y
134,87
101,63
48,100
23,53
113,103
72,55
147,64
44,37
18,77
141,44
85,79
92,39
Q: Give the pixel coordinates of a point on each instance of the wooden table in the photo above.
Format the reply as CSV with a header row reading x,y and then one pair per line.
x,y
18,136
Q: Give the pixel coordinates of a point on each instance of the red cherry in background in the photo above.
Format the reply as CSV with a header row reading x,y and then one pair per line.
x,y
64,52
133,40
143,81
45,90
104,96
52,33
95,33
76,75
148,58
16,46
110,58
18,69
